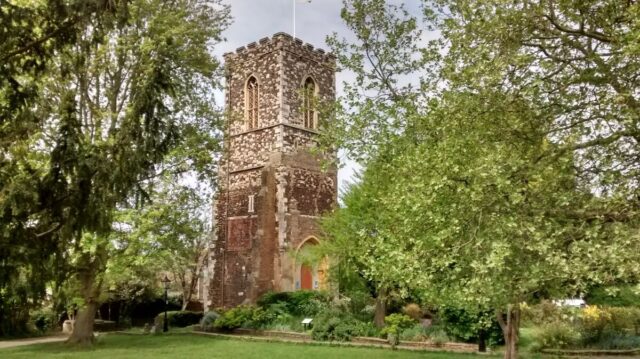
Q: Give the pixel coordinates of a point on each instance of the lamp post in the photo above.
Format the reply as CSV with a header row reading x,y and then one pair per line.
x,y
166,282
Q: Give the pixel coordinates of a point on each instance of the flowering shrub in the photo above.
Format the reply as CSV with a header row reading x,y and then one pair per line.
x,y
594,320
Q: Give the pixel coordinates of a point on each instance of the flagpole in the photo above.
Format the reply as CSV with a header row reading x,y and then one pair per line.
x,y
294,18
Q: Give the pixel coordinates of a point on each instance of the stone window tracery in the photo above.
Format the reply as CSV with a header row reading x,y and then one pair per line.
x,y
308,103
252,102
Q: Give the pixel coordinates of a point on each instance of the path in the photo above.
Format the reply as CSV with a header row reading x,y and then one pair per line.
x,y
28,341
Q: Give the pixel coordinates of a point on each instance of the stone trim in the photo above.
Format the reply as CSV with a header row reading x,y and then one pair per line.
x,y
312,131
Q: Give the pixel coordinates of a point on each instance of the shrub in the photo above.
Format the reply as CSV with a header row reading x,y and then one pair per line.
x,y
413,310
438,337
395,324
625,319
617,341
545,312
335,325
594,321
298,303
556,335
466,326
179,318
416,333
243,316
366,329
44,319
208,320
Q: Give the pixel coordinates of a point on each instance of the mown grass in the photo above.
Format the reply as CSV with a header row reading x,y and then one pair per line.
x,y
115,346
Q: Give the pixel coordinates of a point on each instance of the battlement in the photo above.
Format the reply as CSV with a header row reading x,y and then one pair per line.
x,y
280,40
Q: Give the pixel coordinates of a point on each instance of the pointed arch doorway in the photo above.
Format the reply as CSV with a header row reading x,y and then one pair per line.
x,y
309,276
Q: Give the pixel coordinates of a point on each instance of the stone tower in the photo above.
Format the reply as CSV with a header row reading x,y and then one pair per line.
x,y
272,188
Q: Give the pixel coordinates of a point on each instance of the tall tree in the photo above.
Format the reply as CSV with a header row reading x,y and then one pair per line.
x,y
31,33
114,105
512,177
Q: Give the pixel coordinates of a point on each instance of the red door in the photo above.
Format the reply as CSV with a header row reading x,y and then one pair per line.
x,y
306,277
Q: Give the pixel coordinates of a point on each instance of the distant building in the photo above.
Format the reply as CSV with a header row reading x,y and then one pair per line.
x,y
272,188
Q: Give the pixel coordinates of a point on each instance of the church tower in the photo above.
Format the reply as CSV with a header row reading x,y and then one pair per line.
x,y
273,189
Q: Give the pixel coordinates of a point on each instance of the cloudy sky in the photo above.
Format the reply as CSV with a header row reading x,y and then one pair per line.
x,y
315,19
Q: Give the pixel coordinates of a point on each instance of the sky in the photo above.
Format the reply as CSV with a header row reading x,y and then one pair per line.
x,y
315,20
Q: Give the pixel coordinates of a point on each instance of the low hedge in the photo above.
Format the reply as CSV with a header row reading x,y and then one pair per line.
x,y
179,318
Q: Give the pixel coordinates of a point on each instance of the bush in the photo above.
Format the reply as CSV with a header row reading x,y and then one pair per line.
x,y
625,319
366,329
335,325
179,318
416,333
438,337
413,310
617,341
243,316
556,335
43,320
545,312
396,323
466,326
298,303
594,321
208,320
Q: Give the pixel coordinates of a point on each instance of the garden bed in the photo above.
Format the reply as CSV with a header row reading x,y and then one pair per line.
x,y
367,341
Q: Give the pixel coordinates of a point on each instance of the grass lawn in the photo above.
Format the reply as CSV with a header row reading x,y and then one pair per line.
x,y
190,347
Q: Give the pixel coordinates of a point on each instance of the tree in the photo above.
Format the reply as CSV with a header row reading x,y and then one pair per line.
x,y
32,33
113,107
512,175
175,229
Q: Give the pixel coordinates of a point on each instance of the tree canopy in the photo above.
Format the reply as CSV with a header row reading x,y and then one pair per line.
x,y
124,96
501,158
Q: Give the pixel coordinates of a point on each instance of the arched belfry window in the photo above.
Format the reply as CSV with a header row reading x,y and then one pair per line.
x,y
308,103
251,102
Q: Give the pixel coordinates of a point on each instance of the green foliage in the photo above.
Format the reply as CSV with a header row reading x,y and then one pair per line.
x,y
490,158
395,323
625,319
298,303
619,341
467,326
616,296
546,311
243,316
179,318
208,320
555,335
438,336
596,323
416,333
97,99
44,319
335,325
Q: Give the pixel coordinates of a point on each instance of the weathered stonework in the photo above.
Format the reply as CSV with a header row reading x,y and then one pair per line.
x,y
254,251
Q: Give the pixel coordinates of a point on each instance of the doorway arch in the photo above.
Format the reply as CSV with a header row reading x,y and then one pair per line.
x,y
308,276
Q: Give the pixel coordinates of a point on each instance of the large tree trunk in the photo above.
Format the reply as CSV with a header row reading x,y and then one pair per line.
x,y
510,327
83,327
381,308
87,274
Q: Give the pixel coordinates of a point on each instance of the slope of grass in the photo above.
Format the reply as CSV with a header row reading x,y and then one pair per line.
x,y
193,347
